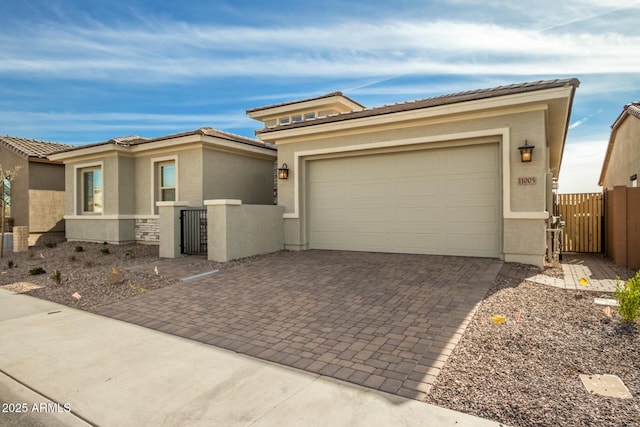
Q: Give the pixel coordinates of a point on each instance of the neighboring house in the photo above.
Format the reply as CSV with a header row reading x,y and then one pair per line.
x,y
442,175
36,195
113,187
619,177
622,160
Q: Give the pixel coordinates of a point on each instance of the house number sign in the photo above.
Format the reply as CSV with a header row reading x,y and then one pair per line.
x,y
527,180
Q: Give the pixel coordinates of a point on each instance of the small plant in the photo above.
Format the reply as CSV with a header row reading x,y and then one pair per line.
x,y
628,296
10,264
129,254
88,264
72,258
115,277
138,289
36,271
79,249
50,245
105,251
57,277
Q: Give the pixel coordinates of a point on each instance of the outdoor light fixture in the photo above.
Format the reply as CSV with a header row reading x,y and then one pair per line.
x,y
283,172
526,152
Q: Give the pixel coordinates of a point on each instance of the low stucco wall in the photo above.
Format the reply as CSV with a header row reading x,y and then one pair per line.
x,y
99,230
525,241
237,231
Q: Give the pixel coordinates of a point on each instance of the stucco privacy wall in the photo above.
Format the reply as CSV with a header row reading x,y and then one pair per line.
x,y
523,239
239,231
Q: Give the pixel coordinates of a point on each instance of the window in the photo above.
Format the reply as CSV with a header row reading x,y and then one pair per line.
x,y
284,120
310,116
297,118
92,190
168,182
164,181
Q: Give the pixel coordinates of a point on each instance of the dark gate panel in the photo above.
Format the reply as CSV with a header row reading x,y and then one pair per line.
x,y
193,232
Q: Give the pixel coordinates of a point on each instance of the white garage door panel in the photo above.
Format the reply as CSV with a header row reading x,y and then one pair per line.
x,y
440,201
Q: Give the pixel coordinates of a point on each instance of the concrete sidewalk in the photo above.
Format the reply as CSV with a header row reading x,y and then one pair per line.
x,y
112,373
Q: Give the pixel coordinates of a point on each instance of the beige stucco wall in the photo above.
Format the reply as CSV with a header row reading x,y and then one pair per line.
x,y
189,177
529,125
99,230
231,176
625,156
237,231
19,186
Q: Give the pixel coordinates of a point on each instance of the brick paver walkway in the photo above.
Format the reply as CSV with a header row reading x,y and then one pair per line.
x,y
385,321
598,274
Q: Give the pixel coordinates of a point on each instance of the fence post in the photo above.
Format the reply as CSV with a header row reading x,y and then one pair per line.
x,y
170,228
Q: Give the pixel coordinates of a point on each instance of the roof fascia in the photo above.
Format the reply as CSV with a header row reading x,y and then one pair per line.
x,y
497,103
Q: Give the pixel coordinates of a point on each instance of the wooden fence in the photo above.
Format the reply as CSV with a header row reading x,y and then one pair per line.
x,y
582,214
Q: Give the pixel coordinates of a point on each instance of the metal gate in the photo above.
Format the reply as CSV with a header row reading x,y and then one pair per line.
x,y
583,216
193,232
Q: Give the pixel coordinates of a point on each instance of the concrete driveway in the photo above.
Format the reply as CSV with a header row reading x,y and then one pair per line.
x,y
384,321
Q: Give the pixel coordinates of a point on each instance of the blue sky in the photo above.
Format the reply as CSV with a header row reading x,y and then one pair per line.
x,y
81,71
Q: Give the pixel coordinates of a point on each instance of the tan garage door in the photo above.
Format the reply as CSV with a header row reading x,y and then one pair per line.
x,y
437,201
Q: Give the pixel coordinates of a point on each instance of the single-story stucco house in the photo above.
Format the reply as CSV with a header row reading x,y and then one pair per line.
x,y
113,187
465,174
36,196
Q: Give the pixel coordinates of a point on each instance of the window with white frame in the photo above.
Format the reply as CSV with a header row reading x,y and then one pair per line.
x,y
91,193
167,181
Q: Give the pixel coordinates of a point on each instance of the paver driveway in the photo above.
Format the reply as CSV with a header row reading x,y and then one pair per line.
x,y
385,321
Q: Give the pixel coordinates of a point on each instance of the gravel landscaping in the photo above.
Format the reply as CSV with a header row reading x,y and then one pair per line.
x,y
523,372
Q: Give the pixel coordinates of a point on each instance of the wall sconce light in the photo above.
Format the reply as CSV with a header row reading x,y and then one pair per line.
x,y
526,152
283,172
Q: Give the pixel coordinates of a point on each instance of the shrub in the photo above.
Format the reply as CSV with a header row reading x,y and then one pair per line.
x,y
36,271
628,296
50,245
79,249
72,258
115,277
57,277
10,264
105,251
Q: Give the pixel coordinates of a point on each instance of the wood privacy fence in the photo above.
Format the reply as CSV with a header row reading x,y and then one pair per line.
x,y
583,217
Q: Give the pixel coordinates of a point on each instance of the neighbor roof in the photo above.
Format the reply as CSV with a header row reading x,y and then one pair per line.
x,y
31,147
631,109
471,95
134,140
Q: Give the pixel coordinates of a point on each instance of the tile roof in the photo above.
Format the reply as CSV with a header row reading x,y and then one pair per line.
x,y
134,140
328,95
471,95
31,147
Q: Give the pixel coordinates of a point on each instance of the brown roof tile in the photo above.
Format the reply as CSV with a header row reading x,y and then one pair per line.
x,y
471,95
328,95
129,141
31,147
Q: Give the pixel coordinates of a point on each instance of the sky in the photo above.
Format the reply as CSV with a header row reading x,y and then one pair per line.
x,y
83,71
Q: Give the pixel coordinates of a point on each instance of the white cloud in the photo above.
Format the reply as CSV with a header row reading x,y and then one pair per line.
x,y
582,164
174,51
